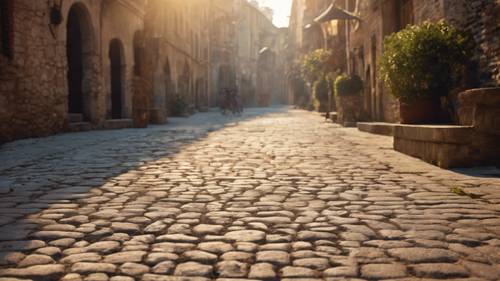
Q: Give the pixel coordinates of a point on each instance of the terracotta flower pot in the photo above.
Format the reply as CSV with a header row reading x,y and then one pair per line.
x,y
421,111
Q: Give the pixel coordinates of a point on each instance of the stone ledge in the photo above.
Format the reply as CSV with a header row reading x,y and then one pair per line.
x,y
115,124
445,134
379,128
446,146
79,127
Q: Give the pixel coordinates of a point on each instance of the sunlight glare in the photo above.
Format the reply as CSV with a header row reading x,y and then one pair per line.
x,y
281,8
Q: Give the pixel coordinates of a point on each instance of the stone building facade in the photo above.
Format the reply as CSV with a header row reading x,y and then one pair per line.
x,y
306,35
383,17
105,64
222,52
67,67
258,47
179,39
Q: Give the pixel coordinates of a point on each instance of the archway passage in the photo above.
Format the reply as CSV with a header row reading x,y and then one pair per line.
x,y
116,61
74,48
80,50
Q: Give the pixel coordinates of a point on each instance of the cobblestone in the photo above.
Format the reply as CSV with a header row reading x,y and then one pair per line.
x,y
277,194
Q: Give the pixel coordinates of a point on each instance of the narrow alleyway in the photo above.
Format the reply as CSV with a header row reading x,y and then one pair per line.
x,y
272,195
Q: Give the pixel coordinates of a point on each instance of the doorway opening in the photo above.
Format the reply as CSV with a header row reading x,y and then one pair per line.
x,y
79,49
116,63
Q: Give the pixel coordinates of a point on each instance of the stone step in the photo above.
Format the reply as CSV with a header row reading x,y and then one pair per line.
x,y
79,126
75,117
114,124
379,128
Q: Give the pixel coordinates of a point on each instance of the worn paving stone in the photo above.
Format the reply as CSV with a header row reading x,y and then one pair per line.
x,y
383,271
35,259
165,267
420,255
275,257
52,271
133,269
246,236
262,271
123,257
232,269
277,194
193,269
439,270
87,267
298,272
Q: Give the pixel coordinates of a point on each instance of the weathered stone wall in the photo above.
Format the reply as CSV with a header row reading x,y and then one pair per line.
x,y
119,23
381,18
365,44
481,19
33,89
428,10
178,30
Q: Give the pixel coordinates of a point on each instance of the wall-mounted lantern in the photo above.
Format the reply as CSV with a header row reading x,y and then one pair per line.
x,y
56,17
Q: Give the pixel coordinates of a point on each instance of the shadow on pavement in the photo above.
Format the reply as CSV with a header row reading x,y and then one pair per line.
x,y
36,174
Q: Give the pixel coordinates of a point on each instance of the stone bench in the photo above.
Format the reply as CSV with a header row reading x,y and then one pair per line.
x,y
444,146
475,142
379,128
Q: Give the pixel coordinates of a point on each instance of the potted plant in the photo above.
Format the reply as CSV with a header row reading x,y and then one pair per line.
x,y
348,89
314,68
421,64
320,95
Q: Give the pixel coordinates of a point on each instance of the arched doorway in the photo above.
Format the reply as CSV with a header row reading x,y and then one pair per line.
x,y
116,65
79,49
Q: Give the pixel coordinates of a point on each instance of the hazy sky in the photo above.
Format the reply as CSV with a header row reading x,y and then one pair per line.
x,y
281,9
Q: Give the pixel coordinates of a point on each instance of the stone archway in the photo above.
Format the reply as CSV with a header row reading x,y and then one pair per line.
x,y
116,57
80,49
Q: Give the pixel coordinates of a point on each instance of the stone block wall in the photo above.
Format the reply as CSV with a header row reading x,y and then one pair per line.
x,y
33,77
380,18
481,18
475,142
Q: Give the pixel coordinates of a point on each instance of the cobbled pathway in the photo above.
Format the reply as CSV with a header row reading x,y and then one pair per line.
x,y
277,194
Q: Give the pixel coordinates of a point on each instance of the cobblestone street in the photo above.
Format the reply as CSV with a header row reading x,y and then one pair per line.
x,y
276,194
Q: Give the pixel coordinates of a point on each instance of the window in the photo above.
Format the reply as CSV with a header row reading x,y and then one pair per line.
x,y
5,28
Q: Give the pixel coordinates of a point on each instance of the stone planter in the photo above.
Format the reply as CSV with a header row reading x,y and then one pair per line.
x,y
348,108
421,111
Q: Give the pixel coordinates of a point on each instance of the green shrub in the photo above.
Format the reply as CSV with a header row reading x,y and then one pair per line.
x,y
178,107
348,85
424,61
314,64
320,95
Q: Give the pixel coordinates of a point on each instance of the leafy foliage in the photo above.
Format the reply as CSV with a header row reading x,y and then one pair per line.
x,y
314,64
424,61
178,107
320,94
348,85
